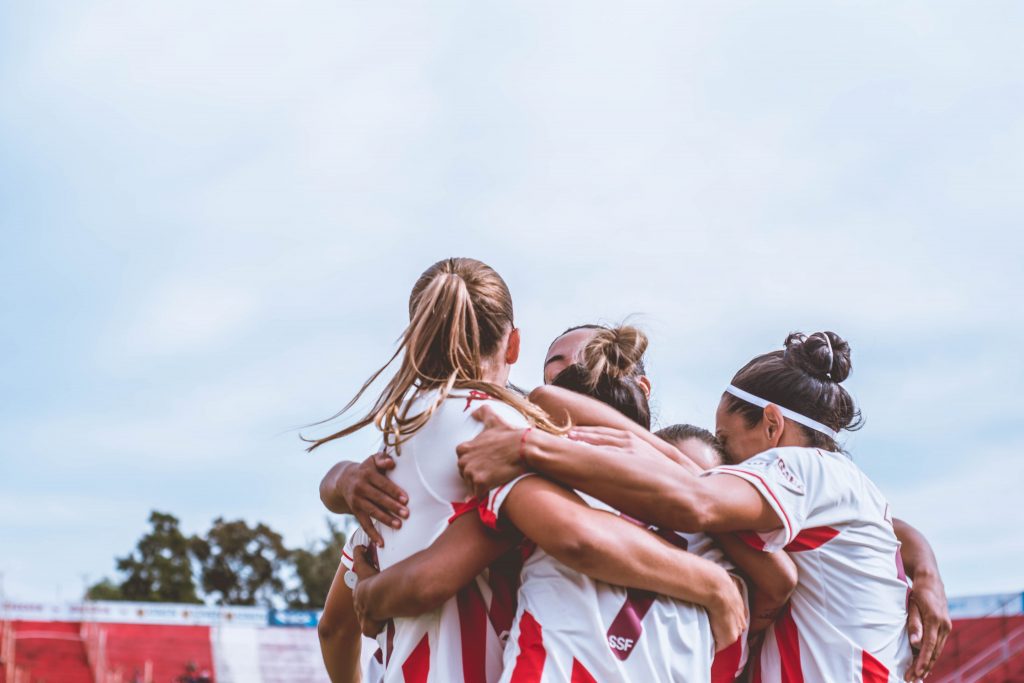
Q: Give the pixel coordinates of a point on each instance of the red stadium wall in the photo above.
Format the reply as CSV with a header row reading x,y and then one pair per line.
x,y
48,651
167,648
983,650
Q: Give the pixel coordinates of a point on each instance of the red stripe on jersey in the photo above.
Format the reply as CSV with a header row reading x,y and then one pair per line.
x,y
475,395
788,640
503,578
751,538
487,514
726,665
530,661
785,517
872,670
463,507
416,668
627,627
473,629
809,539
580,673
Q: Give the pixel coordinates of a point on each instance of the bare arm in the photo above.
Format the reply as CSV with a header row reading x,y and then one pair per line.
x,y
608,548
564,405
772,576
424,581
339,633
928,622
622,470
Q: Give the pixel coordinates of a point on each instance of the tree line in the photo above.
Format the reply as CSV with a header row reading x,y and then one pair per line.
x,y
232,563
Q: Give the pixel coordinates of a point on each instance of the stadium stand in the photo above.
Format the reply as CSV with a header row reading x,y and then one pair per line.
x,y
152,643
987,642
46,651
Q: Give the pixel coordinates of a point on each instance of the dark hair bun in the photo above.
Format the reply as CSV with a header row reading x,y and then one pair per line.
x,y
824,355
614,352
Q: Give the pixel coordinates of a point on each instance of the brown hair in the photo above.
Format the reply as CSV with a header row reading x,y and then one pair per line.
x,y
804,377
608,370
459,311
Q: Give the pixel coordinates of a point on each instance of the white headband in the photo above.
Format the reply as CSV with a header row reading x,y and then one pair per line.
x,y
794,416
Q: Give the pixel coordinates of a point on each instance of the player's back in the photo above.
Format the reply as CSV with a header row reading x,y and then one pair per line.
x,y
451,643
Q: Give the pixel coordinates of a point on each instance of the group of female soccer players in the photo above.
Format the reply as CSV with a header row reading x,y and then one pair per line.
x,y
553,537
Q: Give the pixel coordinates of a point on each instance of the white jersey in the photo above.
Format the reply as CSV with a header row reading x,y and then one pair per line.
x,y
729,662
846,621
570,628
371,655
463,640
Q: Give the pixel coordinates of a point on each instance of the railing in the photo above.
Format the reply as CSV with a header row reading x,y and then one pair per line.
x,y
993,656
988,660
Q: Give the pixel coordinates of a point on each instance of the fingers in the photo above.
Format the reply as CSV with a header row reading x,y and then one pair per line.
x,y
382,461
914,627
487,415
925,659
382,492
362,565
940,630
390,489
367,524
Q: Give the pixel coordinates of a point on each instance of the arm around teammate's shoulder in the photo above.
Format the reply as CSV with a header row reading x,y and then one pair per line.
x,y
626,472
608,548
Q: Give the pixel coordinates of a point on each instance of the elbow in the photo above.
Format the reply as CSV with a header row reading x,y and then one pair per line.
x,y
585,551
687,513
426,593
430,597
328,494
777,588
333,628
547,398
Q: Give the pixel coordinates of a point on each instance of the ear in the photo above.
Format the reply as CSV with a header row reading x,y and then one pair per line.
x,y
645,385
512,350
773,424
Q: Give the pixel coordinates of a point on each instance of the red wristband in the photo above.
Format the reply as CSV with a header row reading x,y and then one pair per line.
x,y
522,444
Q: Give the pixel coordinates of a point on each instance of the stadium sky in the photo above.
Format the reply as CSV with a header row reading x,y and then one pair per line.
x,y
212,215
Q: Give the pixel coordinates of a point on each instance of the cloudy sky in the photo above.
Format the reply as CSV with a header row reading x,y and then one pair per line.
x,y
212,215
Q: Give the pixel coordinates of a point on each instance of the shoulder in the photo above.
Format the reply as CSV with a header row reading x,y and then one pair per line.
x,y
507,413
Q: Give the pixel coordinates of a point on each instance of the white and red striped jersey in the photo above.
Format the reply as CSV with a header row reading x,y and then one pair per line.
x,y
846,621
370,652
463,640
570,628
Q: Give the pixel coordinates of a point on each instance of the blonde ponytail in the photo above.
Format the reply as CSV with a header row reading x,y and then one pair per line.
x,y
459,311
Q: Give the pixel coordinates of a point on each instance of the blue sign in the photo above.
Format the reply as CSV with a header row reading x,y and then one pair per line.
x,y
292,617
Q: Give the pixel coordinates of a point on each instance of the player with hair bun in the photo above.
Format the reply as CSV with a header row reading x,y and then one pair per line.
x,y
607,369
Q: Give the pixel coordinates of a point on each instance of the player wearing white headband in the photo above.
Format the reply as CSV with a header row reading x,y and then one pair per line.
x,y
787,481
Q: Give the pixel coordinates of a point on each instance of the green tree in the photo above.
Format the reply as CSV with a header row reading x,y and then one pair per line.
x,y
105,589
315,567
241,565
159,570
